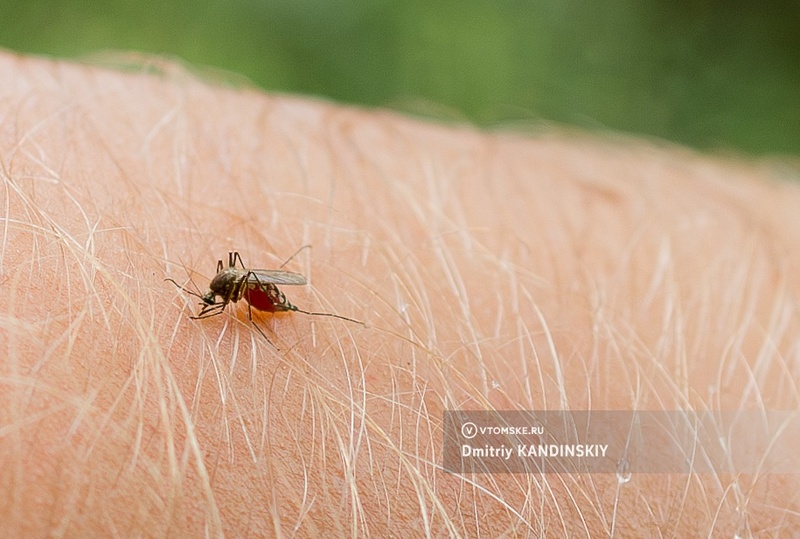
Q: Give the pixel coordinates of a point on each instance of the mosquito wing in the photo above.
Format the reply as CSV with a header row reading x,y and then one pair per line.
x,y
275,277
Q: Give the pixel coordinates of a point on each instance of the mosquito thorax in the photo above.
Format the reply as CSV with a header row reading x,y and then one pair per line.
x,y
222,282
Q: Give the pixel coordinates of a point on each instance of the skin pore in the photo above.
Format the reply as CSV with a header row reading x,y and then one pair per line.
x,y
492,271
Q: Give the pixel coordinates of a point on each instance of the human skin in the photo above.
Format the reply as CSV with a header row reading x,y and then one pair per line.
x,y
492,271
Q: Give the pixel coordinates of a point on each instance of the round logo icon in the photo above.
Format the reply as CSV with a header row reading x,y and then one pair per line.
x,y
469,430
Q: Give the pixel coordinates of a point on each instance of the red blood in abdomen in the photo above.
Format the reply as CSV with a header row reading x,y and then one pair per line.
x,y
259,299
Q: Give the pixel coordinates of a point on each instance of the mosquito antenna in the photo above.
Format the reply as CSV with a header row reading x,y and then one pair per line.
x,y
307,246
195,294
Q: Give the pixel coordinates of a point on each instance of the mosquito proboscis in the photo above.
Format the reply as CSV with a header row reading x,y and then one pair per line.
x,y
258,287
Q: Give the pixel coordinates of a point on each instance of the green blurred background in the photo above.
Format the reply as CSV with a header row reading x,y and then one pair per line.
x,y
709,74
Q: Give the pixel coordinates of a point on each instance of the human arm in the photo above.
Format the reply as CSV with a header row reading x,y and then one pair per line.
x,y
492,271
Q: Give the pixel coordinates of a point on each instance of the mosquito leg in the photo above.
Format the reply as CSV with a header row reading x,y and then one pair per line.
x,y
330,315
210,310
250,316
233,257
307,246
245,283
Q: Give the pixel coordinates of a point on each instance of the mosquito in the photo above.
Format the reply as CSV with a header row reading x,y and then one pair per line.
x,y
258,287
